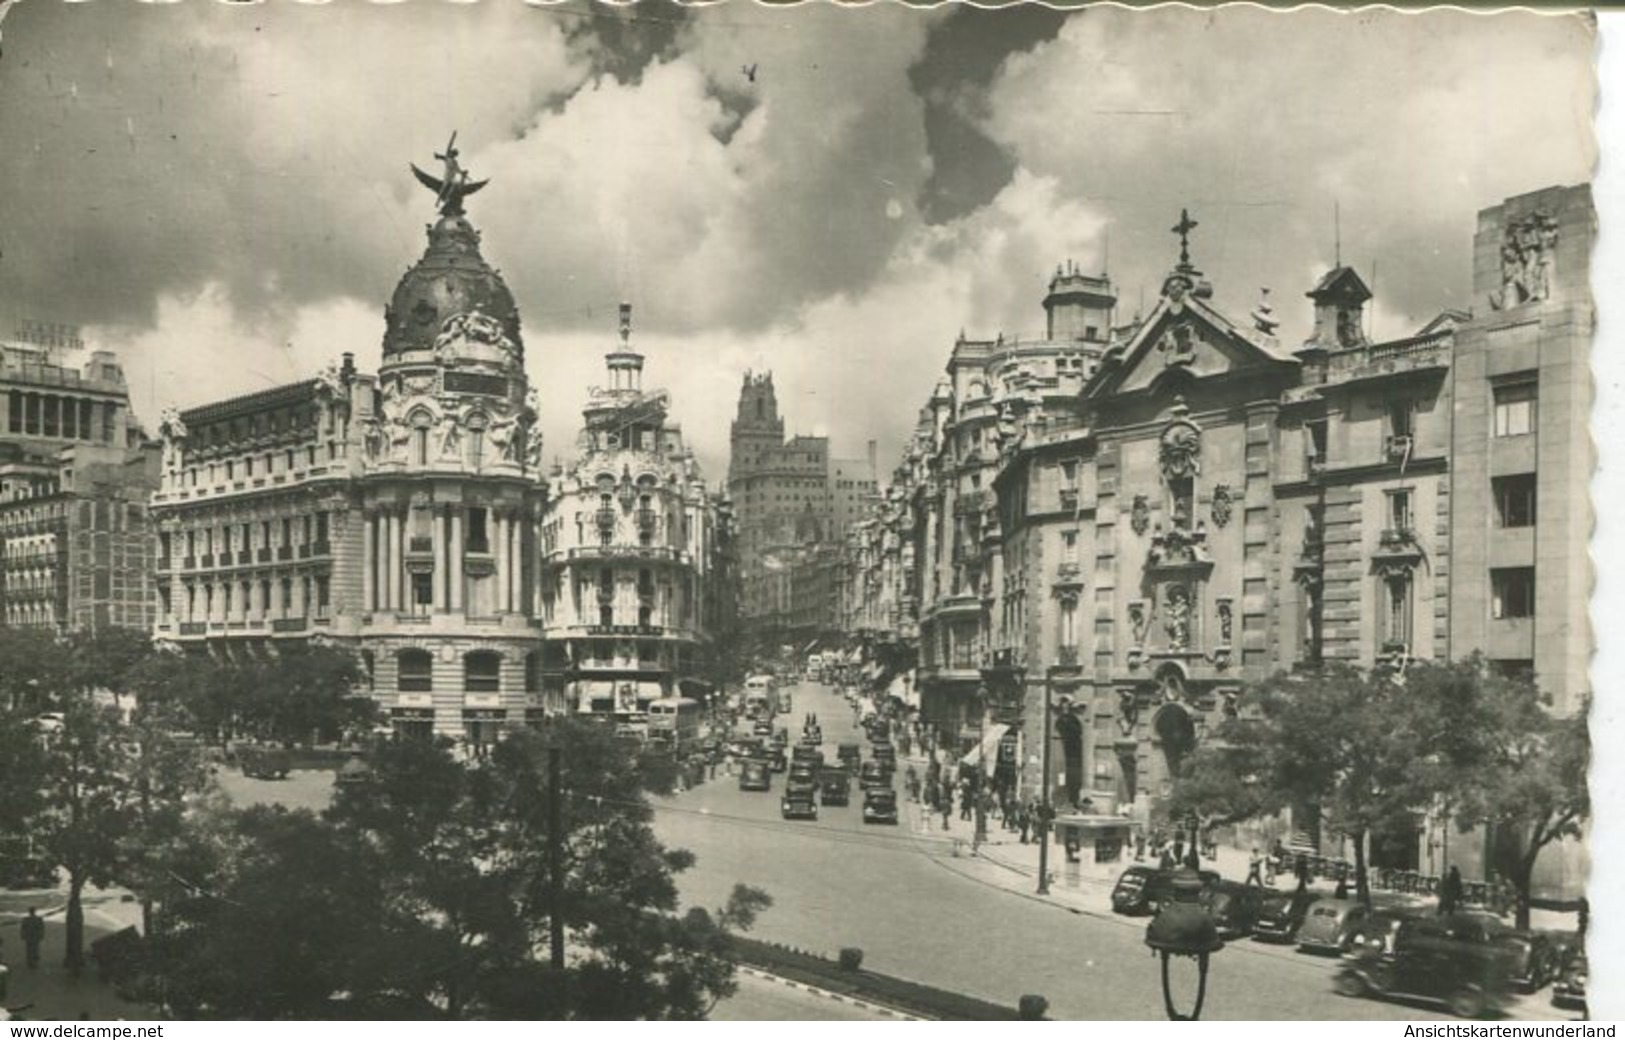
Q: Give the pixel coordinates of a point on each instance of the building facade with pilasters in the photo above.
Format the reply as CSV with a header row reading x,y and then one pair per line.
x,y
397,514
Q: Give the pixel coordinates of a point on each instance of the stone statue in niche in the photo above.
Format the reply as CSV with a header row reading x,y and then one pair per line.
x,y
1140,514
1128,712
503,435
1225,621
372,437
1176,617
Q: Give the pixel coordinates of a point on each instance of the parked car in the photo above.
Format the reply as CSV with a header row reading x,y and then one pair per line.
x,y
1532,957
803,773
1331,925
754,775
1444,960
835,786
799,803
879,805
777,760
1282,915
1378,930
1140,889
264,763
762,728
1234,907
1130,895
1569,991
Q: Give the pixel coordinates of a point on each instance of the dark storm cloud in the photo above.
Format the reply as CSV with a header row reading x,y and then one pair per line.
x,y
154,148
962,54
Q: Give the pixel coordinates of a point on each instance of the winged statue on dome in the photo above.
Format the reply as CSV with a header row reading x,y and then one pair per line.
x,y
453,185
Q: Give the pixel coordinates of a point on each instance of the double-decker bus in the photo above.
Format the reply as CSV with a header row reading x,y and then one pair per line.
x,y
759,699
677,721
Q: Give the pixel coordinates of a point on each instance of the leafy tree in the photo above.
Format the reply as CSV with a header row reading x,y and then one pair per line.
x,y
1336,739
1221,783
306,692
207,693
1497,756
449,863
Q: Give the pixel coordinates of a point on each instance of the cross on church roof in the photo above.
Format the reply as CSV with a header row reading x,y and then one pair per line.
x,y
1183,229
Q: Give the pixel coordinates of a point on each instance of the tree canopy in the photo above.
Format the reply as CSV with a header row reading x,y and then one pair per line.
x,y
449,896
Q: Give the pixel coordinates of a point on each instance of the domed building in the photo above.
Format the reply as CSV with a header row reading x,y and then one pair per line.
x,y
398,513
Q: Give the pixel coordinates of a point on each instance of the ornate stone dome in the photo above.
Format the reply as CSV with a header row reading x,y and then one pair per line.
x,y
452,279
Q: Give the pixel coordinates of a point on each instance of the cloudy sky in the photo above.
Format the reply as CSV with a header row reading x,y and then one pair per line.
x,y
222,194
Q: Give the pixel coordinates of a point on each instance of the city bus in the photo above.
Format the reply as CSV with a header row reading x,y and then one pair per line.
x,y
676,720
759,697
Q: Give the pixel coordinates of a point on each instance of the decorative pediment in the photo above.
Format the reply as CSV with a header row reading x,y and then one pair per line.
x,y
1185,335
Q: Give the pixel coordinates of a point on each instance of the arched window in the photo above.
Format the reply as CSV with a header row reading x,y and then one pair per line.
x,y
482,671
414,671
420,437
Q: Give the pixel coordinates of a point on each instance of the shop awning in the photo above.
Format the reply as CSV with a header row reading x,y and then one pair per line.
x,y
986,752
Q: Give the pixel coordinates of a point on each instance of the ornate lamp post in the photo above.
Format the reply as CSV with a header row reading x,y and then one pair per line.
x,y
1183,928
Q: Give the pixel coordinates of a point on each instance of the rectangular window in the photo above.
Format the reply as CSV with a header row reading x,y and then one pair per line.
x,y
423,591
1399,510
1515,409
477,539
1512,592
1401,418
1514,500
1315,441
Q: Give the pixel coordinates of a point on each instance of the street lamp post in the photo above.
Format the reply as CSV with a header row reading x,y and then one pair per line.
x,y
1046,811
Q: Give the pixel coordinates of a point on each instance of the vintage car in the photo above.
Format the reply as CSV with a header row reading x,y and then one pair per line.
x,y
886,755
849,755
1140,889
762,728
879,805
1233,906
1446,960
1532,958
1331,925
803,773
264,763
777,760
798,805
1282,915
1569,991
1378,930
834,786
873,774
754,775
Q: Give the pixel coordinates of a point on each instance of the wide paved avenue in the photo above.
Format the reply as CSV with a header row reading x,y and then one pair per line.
x,y
919,911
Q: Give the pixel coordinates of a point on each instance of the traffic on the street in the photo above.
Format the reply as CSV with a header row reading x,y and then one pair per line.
x,y
812,790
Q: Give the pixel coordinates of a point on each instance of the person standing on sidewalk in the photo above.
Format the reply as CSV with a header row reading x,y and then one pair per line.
x,y
33,928
1255,869
1024,821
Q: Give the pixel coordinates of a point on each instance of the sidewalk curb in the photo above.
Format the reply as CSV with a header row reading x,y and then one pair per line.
x,y
839,998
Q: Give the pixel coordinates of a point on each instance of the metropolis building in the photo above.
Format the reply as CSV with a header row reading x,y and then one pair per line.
x,y
397,513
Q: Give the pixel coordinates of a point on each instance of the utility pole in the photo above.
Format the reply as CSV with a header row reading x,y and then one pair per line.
x,y
1045,810
555,857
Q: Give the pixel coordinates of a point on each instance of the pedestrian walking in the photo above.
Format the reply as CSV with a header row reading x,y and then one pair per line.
x,y
1179,847
947,807
1450,892
1255,869
1342,888
33,928
1023,822
1167,862
1303,872
966,800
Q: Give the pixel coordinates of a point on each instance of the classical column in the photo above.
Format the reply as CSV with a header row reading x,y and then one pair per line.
x,y
500,551
516,563
300,607
386,561
368,563
441,586
454,568
397,592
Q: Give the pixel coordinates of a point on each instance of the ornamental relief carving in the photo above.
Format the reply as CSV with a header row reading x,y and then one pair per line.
x,y
1223,505
1179,451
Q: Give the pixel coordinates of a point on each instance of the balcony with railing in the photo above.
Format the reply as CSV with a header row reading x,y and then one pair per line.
x,y
1397,358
